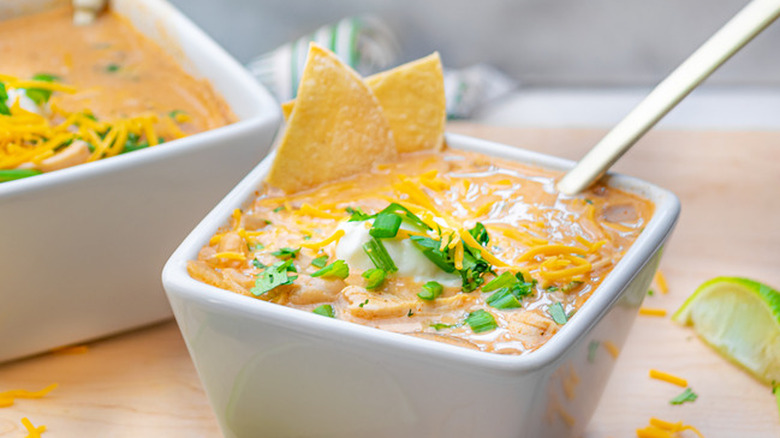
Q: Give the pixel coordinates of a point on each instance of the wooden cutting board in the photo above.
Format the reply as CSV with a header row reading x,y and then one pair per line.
x,y
143,383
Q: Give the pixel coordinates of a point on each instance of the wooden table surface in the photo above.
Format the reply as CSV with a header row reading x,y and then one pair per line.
x,y
142,384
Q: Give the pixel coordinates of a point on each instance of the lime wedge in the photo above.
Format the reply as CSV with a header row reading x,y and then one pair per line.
x,y
740,318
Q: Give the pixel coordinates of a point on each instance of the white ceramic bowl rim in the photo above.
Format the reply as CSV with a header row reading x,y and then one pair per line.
x,y
609,291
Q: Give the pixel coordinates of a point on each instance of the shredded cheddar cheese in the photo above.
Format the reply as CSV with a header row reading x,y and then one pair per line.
x,y
666,377
660,280
32,431
338,234
647,311
611,348
28,139
230,255
665,429
7,398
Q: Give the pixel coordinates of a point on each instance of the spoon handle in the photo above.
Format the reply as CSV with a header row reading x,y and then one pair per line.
x,y
748,23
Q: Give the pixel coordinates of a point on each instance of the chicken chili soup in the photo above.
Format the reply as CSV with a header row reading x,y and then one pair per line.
x,y
74,94
450,246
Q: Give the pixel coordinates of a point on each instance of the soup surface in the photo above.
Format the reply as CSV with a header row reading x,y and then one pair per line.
x,y
453,246
92,92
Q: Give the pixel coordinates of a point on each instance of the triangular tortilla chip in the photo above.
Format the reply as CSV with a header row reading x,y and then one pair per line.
x,y
337,128
412,98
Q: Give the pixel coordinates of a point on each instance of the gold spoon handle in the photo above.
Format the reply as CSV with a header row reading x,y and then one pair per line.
x,y
748,23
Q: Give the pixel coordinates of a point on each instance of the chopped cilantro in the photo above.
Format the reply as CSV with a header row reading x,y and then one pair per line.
x,y
480,234
113,68
337,269
687,396
363,303
257,247
410,313
431,290
278,209
375,277
650,292
481,321
557,313
258,264
286,253
325,310
430,249
273,276
320,261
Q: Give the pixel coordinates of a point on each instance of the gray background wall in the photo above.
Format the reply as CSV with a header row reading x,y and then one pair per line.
x,y
589,43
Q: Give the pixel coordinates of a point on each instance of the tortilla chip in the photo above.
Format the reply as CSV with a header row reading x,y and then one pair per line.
x,y
337,128
412,98
287,108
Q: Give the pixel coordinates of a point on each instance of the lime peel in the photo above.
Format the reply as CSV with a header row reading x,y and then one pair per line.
x,y
740,318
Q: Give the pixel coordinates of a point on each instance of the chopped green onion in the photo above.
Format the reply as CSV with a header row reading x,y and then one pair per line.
x,y
687,396
258,264
480,234
320,261
113,68
431,290
507,279
3,97
439,326
325,310
39,95
410,313
257,247
175,113
337,269
379,256
406,215
503,299
363,303
385,225
273,276
278,209
557,313
375,278
481,321
12,174
286,253
358,215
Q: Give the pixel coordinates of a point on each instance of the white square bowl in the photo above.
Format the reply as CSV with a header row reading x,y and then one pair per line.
x,y
81,249
275,371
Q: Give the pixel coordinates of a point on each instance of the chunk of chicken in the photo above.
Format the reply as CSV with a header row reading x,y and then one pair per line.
x,y
379,305
532,327
313,290
73,154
